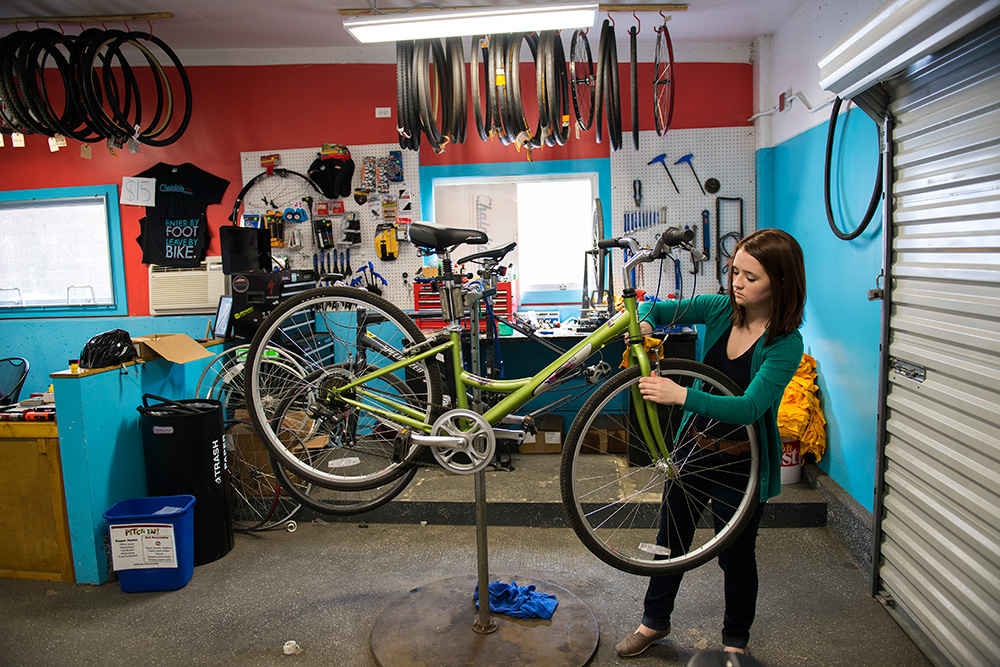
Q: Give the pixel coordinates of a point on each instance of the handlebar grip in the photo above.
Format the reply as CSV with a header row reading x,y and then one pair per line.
x,y
607,243
675,236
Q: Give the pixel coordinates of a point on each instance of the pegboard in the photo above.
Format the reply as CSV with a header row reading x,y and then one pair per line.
x,y
726,154
398,290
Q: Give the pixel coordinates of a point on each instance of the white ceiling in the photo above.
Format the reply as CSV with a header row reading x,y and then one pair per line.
x,y
305,31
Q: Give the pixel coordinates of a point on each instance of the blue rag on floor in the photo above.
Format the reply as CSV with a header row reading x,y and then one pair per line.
x,y
519,601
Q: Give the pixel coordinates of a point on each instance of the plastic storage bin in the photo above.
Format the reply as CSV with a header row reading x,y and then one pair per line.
x,y
152,542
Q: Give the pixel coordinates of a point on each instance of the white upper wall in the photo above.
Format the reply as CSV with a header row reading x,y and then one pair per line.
x,y
814,28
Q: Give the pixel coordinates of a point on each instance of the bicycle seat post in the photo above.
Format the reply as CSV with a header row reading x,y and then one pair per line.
x,y
450,290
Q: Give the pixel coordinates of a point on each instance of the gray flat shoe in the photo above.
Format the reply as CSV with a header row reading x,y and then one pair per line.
x,y
637,642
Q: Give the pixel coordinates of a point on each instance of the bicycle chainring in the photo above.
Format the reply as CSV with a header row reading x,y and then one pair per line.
x,y
478,441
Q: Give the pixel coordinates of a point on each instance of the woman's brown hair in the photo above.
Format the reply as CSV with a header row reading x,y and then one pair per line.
x,y
780,255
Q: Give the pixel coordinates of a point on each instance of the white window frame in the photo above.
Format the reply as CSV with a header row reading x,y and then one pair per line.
x,y
575,260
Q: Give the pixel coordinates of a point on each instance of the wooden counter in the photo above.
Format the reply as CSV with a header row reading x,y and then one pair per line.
x,y
34,532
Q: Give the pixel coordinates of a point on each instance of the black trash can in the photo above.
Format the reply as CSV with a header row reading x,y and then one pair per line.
x,y
186,454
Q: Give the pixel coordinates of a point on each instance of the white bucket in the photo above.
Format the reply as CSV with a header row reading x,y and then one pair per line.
x,y
791,464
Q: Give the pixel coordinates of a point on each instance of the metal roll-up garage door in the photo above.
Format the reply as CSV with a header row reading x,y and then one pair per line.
x,y
939,510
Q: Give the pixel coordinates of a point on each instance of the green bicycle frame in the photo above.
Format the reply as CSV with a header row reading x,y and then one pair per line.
x,y
522,390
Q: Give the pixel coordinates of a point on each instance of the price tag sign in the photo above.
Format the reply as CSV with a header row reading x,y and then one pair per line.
x,y
138,191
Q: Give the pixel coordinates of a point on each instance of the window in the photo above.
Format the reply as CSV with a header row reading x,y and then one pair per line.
x,y
550,216
61,253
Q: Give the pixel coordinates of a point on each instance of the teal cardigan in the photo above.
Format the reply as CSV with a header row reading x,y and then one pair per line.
x,y
771,369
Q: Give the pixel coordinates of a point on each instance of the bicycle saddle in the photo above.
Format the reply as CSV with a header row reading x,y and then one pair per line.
x,y
435,237
495,254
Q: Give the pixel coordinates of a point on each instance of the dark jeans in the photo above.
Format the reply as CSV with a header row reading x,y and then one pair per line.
x,y
738,561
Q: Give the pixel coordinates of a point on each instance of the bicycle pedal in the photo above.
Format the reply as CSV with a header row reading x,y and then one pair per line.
x,y
401,444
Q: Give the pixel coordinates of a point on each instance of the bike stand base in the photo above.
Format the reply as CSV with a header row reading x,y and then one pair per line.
x,y
433,625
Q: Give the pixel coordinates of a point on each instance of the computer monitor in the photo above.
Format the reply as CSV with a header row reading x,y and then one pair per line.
x,y
245,249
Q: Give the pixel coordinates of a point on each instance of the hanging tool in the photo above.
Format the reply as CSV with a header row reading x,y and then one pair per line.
x,y
706,228
661,158
347,268
687,158
637,192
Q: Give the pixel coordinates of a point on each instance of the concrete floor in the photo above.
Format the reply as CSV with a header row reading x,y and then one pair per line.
x,y
326,585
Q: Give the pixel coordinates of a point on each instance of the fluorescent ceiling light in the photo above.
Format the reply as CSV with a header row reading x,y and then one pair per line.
x,y
460,22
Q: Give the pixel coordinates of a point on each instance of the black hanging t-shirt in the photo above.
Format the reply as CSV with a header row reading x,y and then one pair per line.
x,y
175,230
173,241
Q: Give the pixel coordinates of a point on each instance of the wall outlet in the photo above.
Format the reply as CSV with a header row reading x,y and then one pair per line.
x,y
383,112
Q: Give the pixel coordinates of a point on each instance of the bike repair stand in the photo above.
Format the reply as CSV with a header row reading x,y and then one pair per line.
x,y
429,625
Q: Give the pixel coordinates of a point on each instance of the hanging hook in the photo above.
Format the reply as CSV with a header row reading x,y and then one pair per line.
x,y
638,28
610,18
150,27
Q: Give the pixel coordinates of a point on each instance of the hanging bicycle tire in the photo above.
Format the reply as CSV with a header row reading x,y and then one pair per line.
x,y
613,92
518,121
633,68
581,79
663,81
876,191
557,80
431,90
482,109
654,516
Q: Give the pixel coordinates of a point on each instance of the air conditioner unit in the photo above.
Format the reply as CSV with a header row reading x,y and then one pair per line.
x,y
187,291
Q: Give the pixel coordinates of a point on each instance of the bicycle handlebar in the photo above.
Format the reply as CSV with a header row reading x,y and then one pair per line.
x,y
670,238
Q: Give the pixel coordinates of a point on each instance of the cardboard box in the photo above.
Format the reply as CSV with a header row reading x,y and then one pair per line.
x,y
548,439
177,348
608,434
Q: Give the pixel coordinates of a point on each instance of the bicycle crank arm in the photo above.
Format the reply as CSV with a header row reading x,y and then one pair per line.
x,y
442,441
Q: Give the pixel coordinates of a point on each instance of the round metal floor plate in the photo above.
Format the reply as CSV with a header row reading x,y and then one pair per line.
x,y
433,625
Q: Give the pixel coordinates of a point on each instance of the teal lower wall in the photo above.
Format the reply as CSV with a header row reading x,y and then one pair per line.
x,y
842,327
49,344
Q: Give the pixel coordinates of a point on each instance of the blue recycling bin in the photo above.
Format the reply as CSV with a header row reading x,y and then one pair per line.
x,y
152,542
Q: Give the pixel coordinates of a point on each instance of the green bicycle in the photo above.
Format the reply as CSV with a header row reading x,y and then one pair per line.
x,y
371,399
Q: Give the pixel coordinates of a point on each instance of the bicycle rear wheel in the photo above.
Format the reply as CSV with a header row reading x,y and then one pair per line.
x,y
339,334
305,432
627,507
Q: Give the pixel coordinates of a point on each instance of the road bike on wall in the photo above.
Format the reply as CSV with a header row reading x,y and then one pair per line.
x,y
372,403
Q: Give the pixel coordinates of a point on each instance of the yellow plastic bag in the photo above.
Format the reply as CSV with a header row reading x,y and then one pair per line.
x,y
800,416
654,349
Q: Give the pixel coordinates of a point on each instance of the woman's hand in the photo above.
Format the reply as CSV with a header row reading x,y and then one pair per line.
x,y
662,390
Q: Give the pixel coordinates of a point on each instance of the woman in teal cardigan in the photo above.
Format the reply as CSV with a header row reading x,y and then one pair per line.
x,y
752,336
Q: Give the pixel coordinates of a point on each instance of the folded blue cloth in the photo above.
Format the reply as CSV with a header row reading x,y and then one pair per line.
x,y
519,601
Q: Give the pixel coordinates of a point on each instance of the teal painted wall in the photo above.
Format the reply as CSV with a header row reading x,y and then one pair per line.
x,y
49,344
841,328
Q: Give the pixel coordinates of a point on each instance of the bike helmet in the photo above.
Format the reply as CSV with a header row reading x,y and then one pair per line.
x,y
110,348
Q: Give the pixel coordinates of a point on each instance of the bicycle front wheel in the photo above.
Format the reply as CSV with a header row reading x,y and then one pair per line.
x,y
653,515
339,335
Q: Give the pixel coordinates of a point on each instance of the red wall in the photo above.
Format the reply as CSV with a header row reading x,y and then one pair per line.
x,y
238,109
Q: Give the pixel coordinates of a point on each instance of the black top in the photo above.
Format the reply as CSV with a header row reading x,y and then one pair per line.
x,y
737,370
175,231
